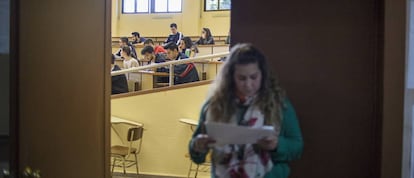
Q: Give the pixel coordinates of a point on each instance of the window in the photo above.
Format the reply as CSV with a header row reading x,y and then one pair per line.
x,y
217,5
151,6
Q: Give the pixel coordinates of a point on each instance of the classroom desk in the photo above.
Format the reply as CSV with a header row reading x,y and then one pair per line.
x,y
117,120
191,122
121,126
207,70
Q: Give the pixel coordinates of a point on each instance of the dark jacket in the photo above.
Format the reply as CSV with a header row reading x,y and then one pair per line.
x,y
185,73
119,82
160,58
175,38
206,41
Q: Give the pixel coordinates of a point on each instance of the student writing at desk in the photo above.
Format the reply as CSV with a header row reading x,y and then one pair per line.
x,y
184,73
123,42
157,48
137,39
149,57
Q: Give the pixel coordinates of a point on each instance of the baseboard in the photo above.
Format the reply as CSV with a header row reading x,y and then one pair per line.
x,y
142,175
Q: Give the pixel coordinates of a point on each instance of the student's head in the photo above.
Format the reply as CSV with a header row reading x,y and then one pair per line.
x,y
148,53
172,50
186,43
148,42
245,74
206,33
173,28
126,51
135,36
123,41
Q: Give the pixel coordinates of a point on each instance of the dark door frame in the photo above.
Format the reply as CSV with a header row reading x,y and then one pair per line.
x,y
16,168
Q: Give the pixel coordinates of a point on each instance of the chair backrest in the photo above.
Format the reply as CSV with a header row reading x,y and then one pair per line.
x,y
135,133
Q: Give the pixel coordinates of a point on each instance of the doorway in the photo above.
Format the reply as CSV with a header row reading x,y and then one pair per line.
x,y
152,20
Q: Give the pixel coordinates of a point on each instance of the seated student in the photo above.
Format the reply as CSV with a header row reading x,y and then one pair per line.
x,y
228,39
157,48
124,42
206,37
129,61
175,36
184,73
188,47
150,56
119,82
137,39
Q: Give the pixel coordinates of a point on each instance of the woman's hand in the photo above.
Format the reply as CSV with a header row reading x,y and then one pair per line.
x,y
201,142
268,143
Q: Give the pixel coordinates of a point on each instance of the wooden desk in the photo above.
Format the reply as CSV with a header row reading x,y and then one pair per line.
x,y
117,120
191,122
121,126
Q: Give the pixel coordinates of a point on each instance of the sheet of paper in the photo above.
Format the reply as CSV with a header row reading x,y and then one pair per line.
x,y
231,134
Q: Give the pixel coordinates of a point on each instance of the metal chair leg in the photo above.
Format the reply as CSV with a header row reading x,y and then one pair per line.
x,y
189,170
136,164
196,171
113,166
123,164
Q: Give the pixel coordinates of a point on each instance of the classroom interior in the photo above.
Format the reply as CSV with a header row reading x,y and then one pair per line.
x,y
165,135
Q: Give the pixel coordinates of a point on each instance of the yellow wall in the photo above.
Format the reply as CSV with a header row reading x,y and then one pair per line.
x,y
217,21
165,139
190,21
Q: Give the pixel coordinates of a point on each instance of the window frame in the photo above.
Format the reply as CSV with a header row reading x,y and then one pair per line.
x,y
151,8
218,7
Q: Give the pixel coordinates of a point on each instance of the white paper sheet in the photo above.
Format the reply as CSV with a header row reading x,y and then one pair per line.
x,y
231,134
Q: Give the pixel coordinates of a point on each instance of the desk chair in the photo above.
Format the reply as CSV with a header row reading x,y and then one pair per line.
x,y
204,167
121,153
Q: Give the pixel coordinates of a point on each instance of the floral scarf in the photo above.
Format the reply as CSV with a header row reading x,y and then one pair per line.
x,y
242,161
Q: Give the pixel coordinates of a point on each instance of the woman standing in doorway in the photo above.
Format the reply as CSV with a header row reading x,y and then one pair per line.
x,y
245,94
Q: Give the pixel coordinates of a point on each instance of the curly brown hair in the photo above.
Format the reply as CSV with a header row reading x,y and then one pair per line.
x,y
221,101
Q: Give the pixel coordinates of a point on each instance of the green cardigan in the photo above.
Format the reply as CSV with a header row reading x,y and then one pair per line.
x,y
290,143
